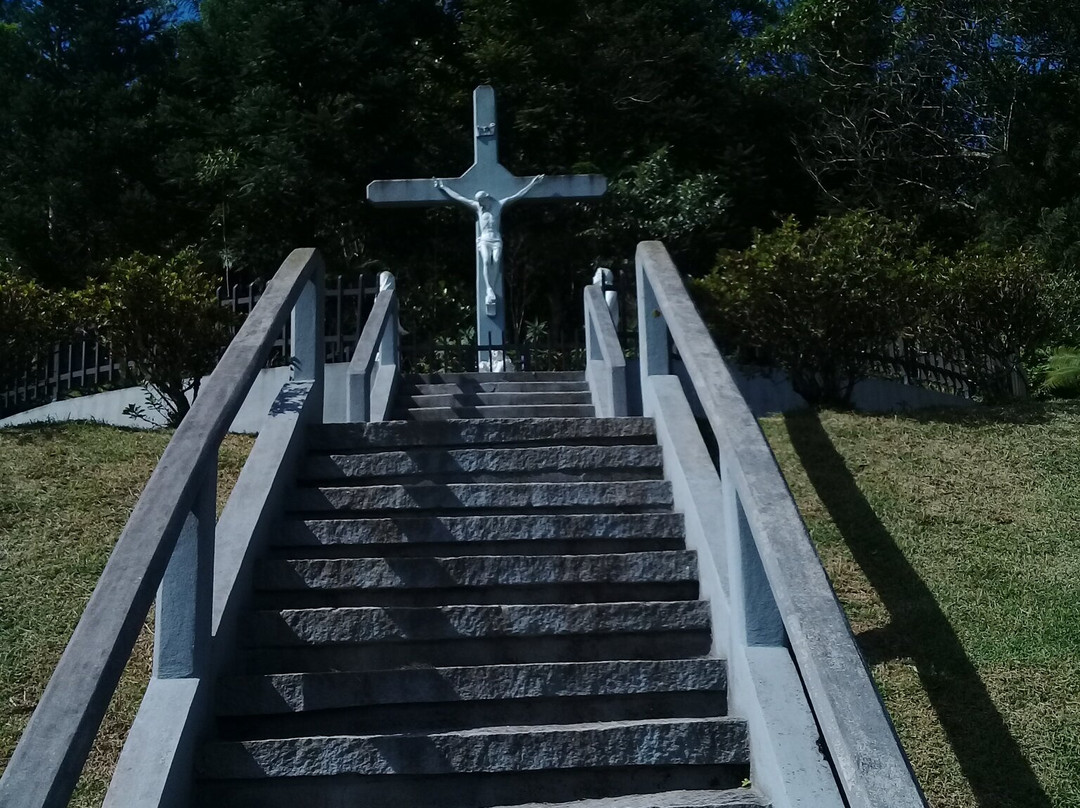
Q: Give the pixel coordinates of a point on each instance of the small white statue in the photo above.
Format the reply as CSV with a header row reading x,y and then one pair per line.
x,y
489,244
605,277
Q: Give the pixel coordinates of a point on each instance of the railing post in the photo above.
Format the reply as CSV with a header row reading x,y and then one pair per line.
x,y
389,345
308,347
185,597
652,329
755,617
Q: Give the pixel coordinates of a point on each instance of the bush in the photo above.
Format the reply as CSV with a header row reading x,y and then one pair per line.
x,y
162,315
32,317
817,302
822,303
991,311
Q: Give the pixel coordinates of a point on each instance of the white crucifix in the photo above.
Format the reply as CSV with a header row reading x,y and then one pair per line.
x,y
486,188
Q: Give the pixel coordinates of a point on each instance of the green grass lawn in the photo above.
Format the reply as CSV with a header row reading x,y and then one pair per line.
x,y
953,541
65,493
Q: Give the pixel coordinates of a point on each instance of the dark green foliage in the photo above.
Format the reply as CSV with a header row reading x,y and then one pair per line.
x,y
823,302
991,310
817,302
289,108
255,126
30,315
1061,373
162,314
647,93
79,132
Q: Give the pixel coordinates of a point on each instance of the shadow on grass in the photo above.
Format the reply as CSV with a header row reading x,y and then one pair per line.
x,y
918,630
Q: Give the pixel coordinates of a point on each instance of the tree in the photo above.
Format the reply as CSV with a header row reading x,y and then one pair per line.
x,y
909,109
650,94
78,132
289,108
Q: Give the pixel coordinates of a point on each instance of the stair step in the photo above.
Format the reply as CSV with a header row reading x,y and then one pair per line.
x,y
298,692
439,699
491,535
496,399
426,413
431,581
466,432
636,495
370,638
679,741
373,624
728,798
487,378
641,787
419,389
548,463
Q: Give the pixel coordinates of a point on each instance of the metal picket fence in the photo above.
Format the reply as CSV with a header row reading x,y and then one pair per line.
x,y
86,364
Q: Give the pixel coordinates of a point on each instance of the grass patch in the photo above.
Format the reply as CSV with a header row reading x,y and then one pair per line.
x,y
953,542
66,491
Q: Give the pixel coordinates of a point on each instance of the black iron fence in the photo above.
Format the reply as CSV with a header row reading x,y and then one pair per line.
x,y
86,364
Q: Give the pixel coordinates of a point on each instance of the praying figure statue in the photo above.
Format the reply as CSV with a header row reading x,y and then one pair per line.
x,y
488,211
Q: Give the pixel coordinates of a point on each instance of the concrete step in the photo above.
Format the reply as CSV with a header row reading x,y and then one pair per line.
x,y
639,787
317,692
489,535
433,413
728,798
416,389
505,433
374,624
489,750
488,378
628,496
547,463
438,699
433,581
499,399
370,638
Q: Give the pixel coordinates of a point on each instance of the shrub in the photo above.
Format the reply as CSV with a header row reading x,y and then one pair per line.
x,y
817,302
822,302
31,316
162,315
990,311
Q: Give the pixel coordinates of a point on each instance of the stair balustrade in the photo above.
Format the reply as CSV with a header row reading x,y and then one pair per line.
x,y
786,632
167,548
605,366
373,371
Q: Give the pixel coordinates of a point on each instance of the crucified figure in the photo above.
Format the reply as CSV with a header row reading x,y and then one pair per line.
x,y
488,211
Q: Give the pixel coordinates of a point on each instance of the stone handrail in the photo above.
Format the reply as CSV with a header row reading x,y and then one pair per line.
x,y
778,572
374,365
605,366
168,540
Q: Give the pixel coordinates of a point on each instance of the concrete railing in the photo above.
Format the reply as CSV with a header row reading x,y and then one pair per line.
x,y
795,672
605,366
166,549
373,371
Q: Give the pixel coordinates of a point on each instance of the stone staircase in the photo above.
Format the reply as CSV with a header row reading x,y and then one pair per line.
x,y
440,396
478,612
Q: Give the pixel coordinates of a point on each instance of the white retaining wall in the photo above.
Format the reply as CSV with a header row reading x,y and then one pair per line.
x,y
108,408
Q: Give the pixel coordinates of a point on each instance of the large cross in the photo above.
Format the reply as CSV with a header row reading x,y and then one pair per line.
x,y
488,175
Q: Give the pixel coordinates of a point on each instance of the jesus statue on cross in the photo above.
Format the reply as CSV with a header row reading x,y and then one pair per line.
x,y
488,212
486,188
